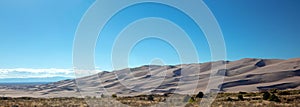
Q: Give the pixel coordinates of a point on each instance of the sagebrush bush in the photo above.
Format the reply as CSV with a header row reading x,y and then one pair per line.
x,y
229,99
240,97
150,98
200,95
242,92
266,95
114,96
275,98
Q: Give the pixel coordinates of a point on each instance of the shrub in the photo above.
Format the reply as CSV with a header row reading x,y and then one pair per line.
x,y
266,95
273,97
191,100
229,99
200,95
242,92
167,94
240,97
114,96
5,98
150,97
270,97
102,96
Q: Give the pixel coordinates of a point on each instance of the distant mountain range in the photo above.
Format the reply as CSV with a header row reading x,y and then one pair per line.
x,y
247,75
32,80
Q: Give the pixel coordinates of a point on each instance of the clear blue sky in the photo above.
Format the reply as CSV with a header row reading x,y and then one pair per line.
x,y
40,33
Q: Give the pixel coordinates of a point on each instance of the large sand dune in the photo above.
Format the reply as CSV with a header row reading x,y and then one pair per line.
x,y
243,75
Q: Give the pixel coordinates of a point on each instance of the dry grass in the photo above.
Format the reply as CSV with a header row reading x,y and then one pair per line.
x,y
42,102
289,98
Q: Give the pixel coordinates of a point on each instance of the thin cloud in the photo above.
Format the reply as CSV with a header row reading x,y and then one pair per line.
x,y
41,73
36,73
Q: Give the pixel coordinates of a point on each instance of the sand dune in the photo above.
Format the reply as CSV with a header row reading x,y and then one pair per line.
x,y
242,75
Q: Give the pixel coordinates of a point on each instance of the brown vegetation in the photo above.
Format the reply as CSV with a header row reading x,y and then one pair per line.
x,y
287,98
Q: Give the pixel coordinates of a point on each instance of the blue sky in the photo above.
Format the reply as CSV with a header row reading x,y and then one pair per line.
x,y
38,34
